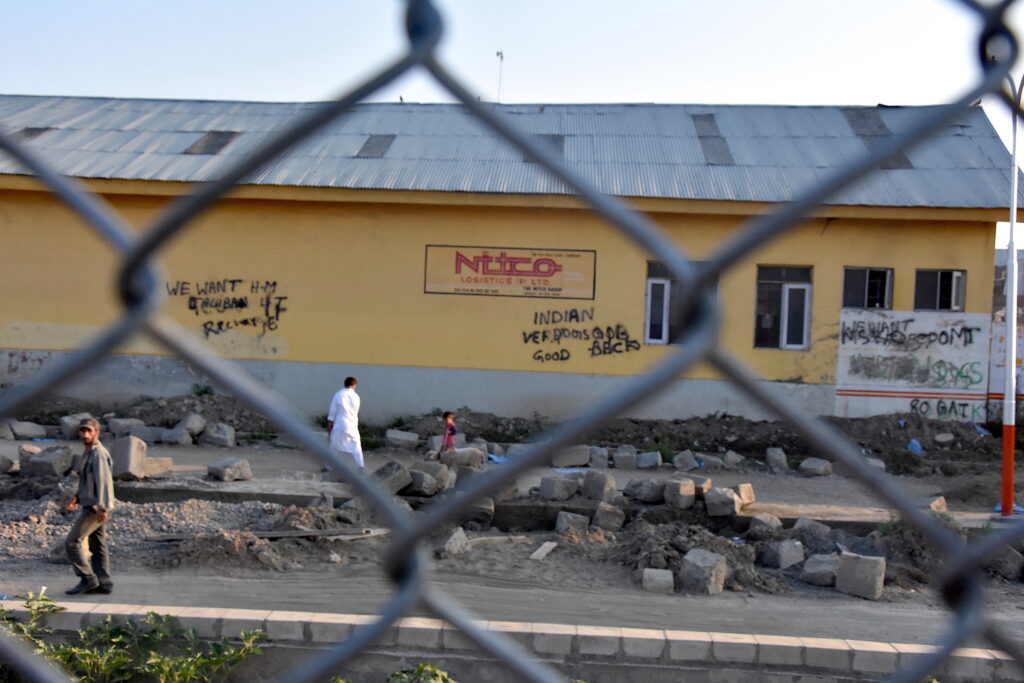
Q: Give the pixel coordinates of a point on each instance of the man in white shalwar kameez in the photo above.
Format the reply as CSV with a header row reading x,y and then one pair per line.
x,y
343,421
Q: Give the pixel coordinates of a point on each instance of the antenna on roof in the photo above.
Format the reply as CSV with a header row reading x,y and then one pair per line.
x,y
500,54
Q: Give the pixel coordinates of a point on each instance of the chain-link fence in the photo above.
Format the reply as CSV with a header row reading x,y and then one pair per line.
x,y
962,579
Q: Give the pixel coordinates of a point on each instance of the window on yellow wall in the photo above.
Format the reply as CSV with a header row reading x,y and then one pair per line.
x,y
664,316
782,317
939,290
867,287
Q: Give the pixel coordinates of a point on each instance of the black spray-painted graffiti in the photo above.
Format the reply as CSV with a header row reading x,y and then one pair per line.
x,y
247,304
597,340
917,371
949,409
894,333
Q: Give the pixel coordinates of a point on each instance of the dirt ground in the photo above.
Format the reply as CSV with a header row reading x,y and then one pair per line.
x,y
591,578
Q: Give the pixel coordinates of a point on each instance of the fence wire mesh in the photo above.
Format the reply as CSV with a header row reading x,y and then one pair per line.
x,y
962,580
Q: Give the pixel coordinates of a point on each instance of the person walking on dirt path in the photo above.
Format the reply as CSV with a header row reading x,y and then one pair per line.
x,y
96,498
343,421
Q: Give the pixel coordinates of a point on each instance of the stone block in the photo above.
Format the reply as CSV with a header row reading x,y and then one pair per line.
x,y
24,431
193,423
648,460
479,512
680,493
598,486
553,639
732,460
230,469
396,438
147,434
128,454
820,570
643,643
1006,563
6,464
933,503
702,572
815,467
558,488
434,442
481,445
820,528
721,502
777,461
423,484
571,456
158,468
781,554
5,430
543,551
745,492
609,517
735,647
69,425
943,438
218,434
712,462
570,521
861,575
119,426
624,460
649,491
766,521
25,453
176,436
54,461
455,543
438,470
464,457
685,461
688,646
701,484
393,475
659,581
598,457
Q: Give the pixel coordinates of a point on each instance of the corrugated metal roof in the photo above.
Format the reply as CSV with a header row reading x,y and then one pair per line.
x,y
636,150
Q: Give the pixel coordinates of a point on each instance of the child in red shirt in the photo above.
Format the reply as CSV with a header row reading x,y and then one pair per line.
x,y
449,431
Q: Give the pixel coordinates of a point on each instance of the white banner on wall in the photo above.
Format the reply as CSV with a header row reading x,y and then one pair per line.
x,y
932,363
997,368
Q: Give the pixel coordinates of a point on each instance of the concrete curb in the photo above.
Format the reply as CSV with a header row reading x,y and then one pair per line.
x,y
831,657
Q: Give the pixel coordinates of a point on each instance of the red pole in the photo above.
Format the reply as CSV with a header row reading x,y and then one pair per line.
x,y
1009,441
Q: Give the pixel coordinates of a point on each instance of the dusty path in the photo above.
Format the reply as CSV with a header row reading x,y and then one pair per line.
x,y
824,614
611,598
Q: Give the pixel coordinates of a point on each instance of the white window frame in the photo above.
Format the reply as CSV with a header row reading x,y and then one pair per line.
x,y
956,299
784,315
651,282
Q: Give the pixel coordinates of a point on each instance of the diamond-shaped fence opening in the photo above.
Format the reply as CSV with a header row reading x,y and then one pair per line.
x,y
960,586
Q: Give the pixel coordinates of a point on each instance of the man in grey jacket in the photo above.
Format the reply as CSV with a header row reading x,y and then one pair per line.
x,y
96,499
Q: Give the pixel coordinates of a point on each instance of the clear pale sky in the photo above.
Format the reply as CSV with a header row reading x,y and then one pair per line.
x,y
901,52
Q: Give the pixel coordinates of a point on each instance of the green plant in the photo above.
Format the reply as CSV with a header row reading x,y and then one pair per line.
x,y
156,649
202,390
887,528
424,673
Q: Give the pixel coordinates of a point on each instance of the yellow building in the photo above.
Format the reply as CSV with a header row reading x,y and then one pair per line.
x,y
409,247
